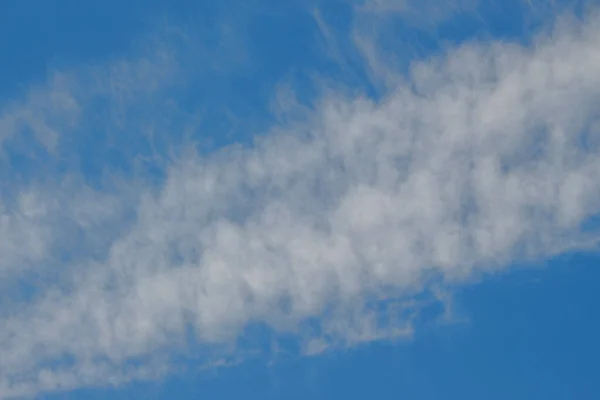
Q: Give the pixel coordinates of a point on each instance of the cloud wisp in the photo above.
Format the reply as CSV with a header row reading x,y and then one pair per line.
x,y
484,155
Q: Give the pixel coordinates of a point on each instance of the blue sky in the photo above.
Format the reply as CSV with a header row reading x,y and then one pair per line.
x,y
320,199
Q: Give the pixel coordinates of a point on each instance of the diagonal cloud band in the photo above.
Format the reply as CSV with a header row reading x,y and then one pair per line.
x,y
482,156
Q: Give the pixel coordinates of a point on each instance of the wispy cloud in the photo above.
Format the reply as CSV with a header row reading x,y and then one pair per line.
x,y
484,155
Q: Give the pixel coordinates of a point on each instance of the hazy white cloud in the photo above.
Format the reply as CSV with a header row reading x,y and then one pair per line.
x,y
327,228
47,213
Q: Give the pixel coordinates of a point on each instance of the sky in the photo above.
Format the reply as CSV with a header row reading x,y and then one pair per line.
x,y
299,199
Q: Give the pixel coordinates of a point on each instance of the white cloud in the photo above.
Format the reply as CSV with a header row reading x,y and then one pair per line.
x,y
484,155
